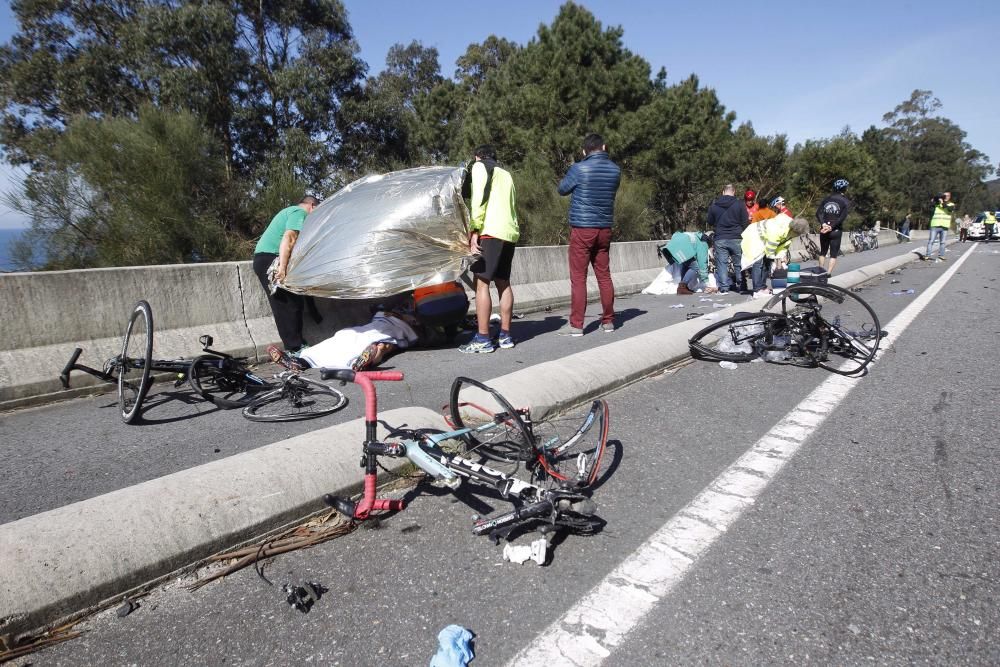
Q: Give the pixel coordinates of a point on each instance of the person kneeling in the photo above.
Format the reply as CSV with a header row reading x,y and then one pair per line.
x,y
689,251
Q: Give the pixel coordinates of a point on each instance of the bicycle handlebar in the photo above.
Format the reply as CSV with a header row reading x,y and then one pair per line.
x,y
347,375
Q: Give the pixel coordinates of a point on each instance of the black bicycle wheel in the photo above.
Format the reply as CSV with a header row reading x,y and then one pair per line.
x,y
295,398
572,446
225,382
738,338
507,441
850,327
134,362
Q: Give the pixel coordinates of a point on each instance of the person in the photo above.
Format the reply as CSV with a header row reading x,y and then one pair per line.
x,y
904,232
750,200
782,207
831,214
728,218
689,250
940,223
493,234
591,183
767,241
990,223
765,212
963,228
277,241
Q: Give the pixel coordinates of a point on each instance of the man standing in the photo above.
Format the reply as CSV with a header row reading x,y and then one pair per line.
x,y
831,214
940,224
904,232
592,182
990,222
728,217
277,241
750,200
493,234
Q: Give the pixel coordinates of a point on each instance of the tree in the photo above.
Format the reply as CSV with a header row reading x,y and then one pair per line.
x,y
816,164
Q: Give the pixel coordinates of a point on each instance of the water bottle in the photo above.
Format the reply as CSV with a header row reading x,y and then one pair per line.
x,y
793,273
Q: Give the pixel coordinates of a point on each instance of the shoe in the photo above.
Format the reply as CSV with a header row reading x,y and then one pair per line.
x,y
477,346
683,289
941,258
282,358
505,341
571,331
608,327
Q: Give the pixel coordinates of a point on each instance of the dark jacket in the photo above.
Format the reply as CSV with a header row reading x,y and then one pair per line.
x,y
833,211
728,217
593,181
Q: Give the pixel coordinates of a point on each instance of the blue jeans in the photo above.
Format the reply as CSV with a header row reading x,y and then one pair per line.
x,y
759,273
689,273
941,234
724,249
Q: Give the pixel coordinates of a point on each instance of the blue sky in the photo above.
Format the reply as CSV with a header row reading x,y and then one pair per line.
x,y
805,69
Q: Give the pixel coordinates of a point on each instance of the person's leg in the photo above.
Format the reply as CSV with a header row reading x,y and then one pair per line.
x,y
286,307
930,239
580,239
601,260
757,275
484,306
506,295
824,246
689,274
942,241
721,265
834,243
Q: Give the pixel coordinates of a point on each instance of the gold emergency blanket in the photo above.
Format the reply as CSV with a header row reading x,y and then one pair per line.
x,y
382,235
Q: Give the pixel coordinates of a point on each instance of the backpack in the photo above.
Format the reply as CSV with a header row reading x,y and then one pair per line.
x,y
441,305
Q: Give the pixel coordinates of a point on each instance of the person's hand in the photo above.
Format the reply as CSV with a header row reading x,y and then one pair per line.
x,y
279,275
824,229
474,245
711,290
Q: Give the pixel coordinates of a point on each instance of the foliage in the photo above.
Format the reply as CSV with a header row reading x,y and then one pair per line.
x,y
815,165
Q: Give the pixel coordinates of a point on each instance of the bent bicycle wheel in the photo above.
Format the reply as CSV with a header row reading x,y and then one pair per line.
x,y
225,382
296,398
134,362
571,447
499,432
851,327
736,338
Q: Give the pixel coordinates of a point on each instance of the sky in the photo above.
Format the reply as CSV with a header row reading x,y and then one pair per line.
x,y
799,68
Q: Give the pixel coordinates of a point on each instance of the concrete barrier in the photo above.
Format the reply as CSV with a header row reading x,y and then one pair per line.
x,y
48,314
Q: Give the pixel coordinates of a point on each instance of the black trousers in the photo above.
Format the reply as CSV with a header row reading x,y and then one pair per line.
x,y
287,307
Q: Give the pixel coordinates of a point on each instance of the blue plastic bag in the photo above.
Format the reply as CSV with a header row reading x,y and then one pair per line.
x,y
454,648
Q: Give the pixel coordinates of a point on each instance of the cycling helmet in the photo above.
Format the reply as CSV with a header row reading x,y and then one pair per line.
x,y
777,202
840,184
749,195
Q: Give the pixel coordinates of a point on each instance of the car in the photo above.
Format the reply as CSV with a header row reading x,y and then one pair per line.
x,y
977,231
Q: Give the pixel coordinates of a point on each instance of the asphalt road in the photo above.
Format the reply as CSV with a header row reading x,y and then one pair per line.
x,y
57,454
877,543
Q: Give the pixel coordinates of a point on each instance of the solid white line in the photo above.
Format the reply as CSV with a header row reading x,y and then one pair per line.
x,y
586,634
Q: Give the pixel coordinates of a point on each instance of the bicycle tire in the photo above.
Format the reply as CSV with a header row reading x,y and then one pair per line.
x,y
509,442
294,399
133,370
561,440
747,322
855,342
225,382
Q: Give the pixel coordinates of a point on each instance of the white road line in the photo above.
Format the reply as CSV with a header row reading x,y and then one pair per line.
x,y
586,634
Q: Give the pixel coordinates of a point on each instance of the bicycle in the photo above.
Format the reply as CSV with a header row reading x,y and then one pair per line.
x,y
222,379
818,326
563,471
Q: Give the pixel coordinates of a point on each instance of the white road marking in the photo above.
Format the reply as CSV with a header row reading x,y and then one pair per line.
x,y
586,634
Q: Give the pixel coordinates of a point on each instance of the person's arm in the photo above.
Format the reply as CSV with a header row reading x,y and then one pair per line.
x,y
285,251
477,206
569,181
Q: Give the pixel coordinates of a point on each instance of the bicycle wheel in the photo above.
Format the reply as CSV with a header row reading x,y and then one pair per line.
x,y
508,440
738,338
225,382
571,447
850,326
135,361
296,398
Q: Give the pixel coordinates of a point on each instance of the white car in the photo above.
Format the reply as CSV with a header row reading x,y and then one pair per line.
x,y
977,231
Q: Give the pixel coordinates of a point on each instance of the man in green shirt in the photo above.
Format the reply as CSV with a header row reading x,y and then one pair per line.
x,y
277,241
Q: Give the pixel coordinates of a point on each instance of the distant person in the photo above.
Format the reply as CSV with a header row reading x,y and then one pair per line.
x,y
831,214
963,228
750,201
727,216
766,242
277,241
765,212
991,225
904,230
689,250
592,184
493,234
940,223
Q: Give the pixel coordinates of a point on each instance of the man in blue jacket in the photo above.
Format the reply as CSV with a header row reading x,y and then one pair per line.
x,y
592,182
728,217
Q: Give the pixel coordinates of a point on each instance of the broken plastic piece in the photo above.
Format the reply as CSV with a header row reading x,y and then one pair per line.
x,y
728,365
305,596
536,551
903,292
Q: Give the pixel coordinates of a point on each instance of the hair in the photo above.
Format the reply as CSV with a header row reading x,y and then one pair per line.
x,y
485,151
728,189
310,200
592,142
799,226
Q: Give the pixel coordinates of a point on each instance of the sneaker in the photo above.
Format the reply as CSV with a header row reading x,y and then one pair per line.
x,y
942,257
608,327
477,346
505,341
571,331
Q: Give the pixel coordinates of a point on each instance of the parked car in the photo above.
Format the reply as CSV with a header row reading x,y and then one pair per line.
x,y
977,231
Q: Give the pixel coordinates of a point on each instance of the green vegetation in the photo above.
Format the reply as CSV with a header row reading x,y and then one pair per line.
x,y
169,131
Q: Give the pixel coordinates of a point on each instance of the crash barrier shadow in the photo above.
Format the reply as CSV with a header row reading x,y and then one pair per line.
x,y
48,314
